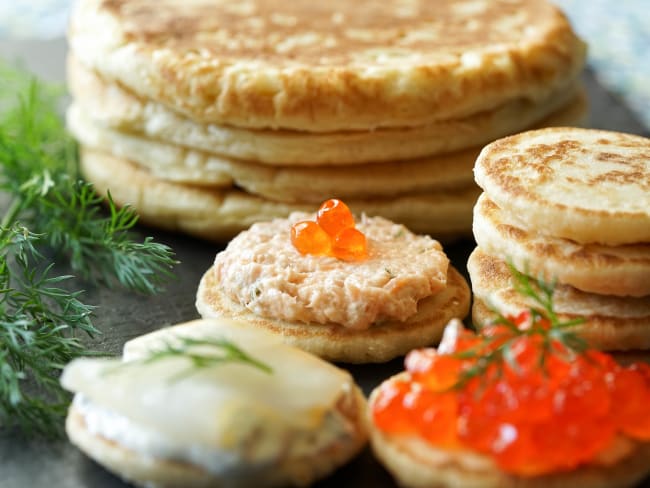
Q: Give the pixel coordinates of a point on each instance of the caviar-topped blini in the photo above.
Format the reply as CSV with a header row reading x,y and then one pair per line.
x,y
346,290
523,404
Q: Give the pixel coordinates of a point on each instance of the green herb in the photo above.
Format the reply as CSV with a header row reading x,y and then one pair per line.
x,y
51,214
201,354
542,322
541,292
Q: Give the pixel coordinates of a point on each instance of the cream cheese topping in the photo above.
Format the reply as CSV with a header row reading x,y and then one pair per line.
x,y
146,440
262,271
239,463
219,406
224,417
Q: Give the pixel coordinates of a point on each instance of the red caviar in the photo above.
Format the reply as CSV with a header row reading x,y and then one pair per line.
x,y
530,417
350,245
334,216
310,238
333,233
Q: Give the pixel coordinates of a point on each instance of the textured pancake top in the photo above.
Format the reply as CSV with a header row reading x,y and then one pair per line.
x,y
333,33
581,184
305,64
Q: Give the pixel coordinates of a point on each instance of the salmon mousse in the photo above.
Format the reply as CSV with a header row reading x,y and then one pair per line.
x,y
213,403
352,291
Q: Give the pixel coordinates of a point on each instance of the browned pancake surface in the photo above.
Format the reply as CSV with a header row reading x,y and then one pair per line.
x,y
588,185
322,66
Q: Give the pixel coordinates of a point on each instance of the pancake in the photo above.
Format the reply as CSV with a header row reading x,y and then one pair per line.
x,y
611,323
328,66
219,215
608,270
378,343
293,183
225,424
114,107
280,183
590,186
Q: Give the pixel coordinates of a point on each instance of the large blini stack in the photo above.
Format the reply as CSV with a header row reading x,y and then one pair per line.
x,y
571,205
209,115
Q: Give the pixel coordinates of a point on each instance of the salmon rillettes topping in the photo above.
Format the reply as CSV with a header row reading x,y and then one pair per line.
x,y
540,408
262,270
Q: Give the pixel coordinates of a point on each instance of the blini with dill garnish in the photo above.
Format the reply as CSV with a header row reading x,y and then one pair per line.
x,y
212,403
611,323
567,206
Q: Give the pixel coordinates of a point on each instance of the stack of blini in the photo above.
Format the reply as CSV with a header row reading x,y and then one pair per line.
x,y
209,115
571,205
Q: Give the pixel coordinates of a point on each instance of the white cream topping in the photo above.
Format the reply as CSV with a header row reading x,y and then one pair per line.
x,y
224,417
130,435
238,464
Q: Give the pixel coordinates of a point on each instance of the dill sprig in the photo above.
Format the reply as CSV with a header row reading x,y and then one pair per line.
x,y
497,349
201,354
51,212
40,174
38,325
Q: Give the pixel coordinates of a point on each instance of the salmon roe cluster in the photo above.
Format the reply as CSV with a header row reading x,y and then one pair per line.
x,y
332,234
543,409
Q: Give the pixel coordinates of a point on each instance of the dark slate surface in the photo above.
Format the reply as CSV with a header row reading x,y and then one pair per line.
x,y
121,316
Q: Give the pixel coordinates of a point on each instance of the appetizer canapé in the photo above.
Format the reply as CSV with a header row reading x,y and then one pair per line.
x,y
363,291
212,403
524,403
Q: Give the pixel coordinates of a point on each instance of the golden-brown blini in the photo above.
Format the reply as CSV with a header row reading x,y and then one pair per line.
x,y
220,214
593,268
112,106
293,183
587,185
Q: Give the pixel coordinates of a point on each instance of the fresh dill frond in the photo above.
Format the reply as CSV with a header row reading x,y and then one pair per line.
x,y
50,210
200,354
39,173
541,293
100,246
541,321
39,323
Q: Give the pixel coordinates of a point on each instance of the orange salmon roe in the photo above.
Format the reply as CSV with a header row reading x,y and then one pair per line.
x,y
350,245
333,234
530,420
310,238
334,216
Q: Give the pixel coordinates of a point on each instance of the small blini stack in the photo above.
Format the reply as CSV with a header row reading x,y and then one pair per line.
x,y
571,205
210,115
